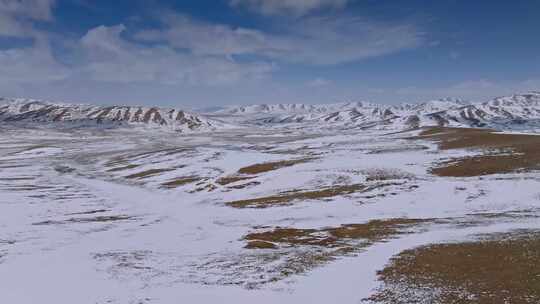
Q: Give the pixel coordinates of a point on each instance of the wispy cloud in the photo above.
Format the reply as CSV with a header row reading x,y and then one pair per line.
x,y
294,7
16,16
33,65
110,57
334,40
183,53
311,40
204,38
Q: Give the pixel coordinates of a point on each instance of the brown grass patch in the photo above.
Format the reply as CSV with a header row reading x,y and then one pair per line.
x,y
166,152
385,174
300,250
286,198
147,173
243,186
181,181
507,152
497,269
232,179
276,253
337,237
205,188
398,149
124,159
260,245
271,166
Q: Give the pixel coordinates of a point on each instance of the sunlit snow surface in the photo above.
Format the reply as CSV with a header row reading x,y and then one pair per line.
x,y
127,216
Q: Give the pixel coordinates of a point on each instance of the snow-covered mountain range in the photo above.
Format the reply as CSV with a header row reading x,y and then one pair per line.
x,y
512,112
36,111
516,112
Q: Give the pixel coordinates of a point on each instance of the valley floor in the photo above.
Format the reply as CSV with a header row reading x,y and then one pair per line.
x,y
269,216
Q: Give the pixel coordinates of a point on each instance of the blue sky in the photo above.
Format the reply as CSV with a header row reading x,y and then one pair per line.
x,y
205,53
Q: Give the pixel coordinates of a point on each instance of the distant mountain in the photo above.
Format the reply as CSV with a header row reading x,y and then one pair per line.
x,y
516,112
283,108
36,111
502,112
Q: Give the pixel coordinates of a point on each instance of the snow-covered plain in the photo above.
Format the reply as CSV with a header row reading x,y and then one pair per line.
x,y
131,216
102,213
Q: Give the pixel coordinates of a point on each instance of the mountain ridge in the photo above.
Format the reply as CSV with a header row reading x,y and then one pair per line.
x,y
39,111
518,111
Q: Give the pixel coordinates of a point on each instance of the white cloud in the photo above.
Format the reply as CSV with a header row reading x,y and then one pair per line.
x,y
104,56
9,26
16,16
184,53
111,58
327,41
319,41
34,64
29,9
294,7
208,39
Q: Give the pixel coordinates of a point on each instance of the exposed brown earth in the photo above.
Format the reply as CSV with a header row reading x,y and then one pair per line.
x,y
243,186
501,268
300,250
124,159
225,180
377,174
296,251
286,198
205,188
271,166
147,173
260,245
181,181
502,153
166,152
401,149
336,237
247,173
